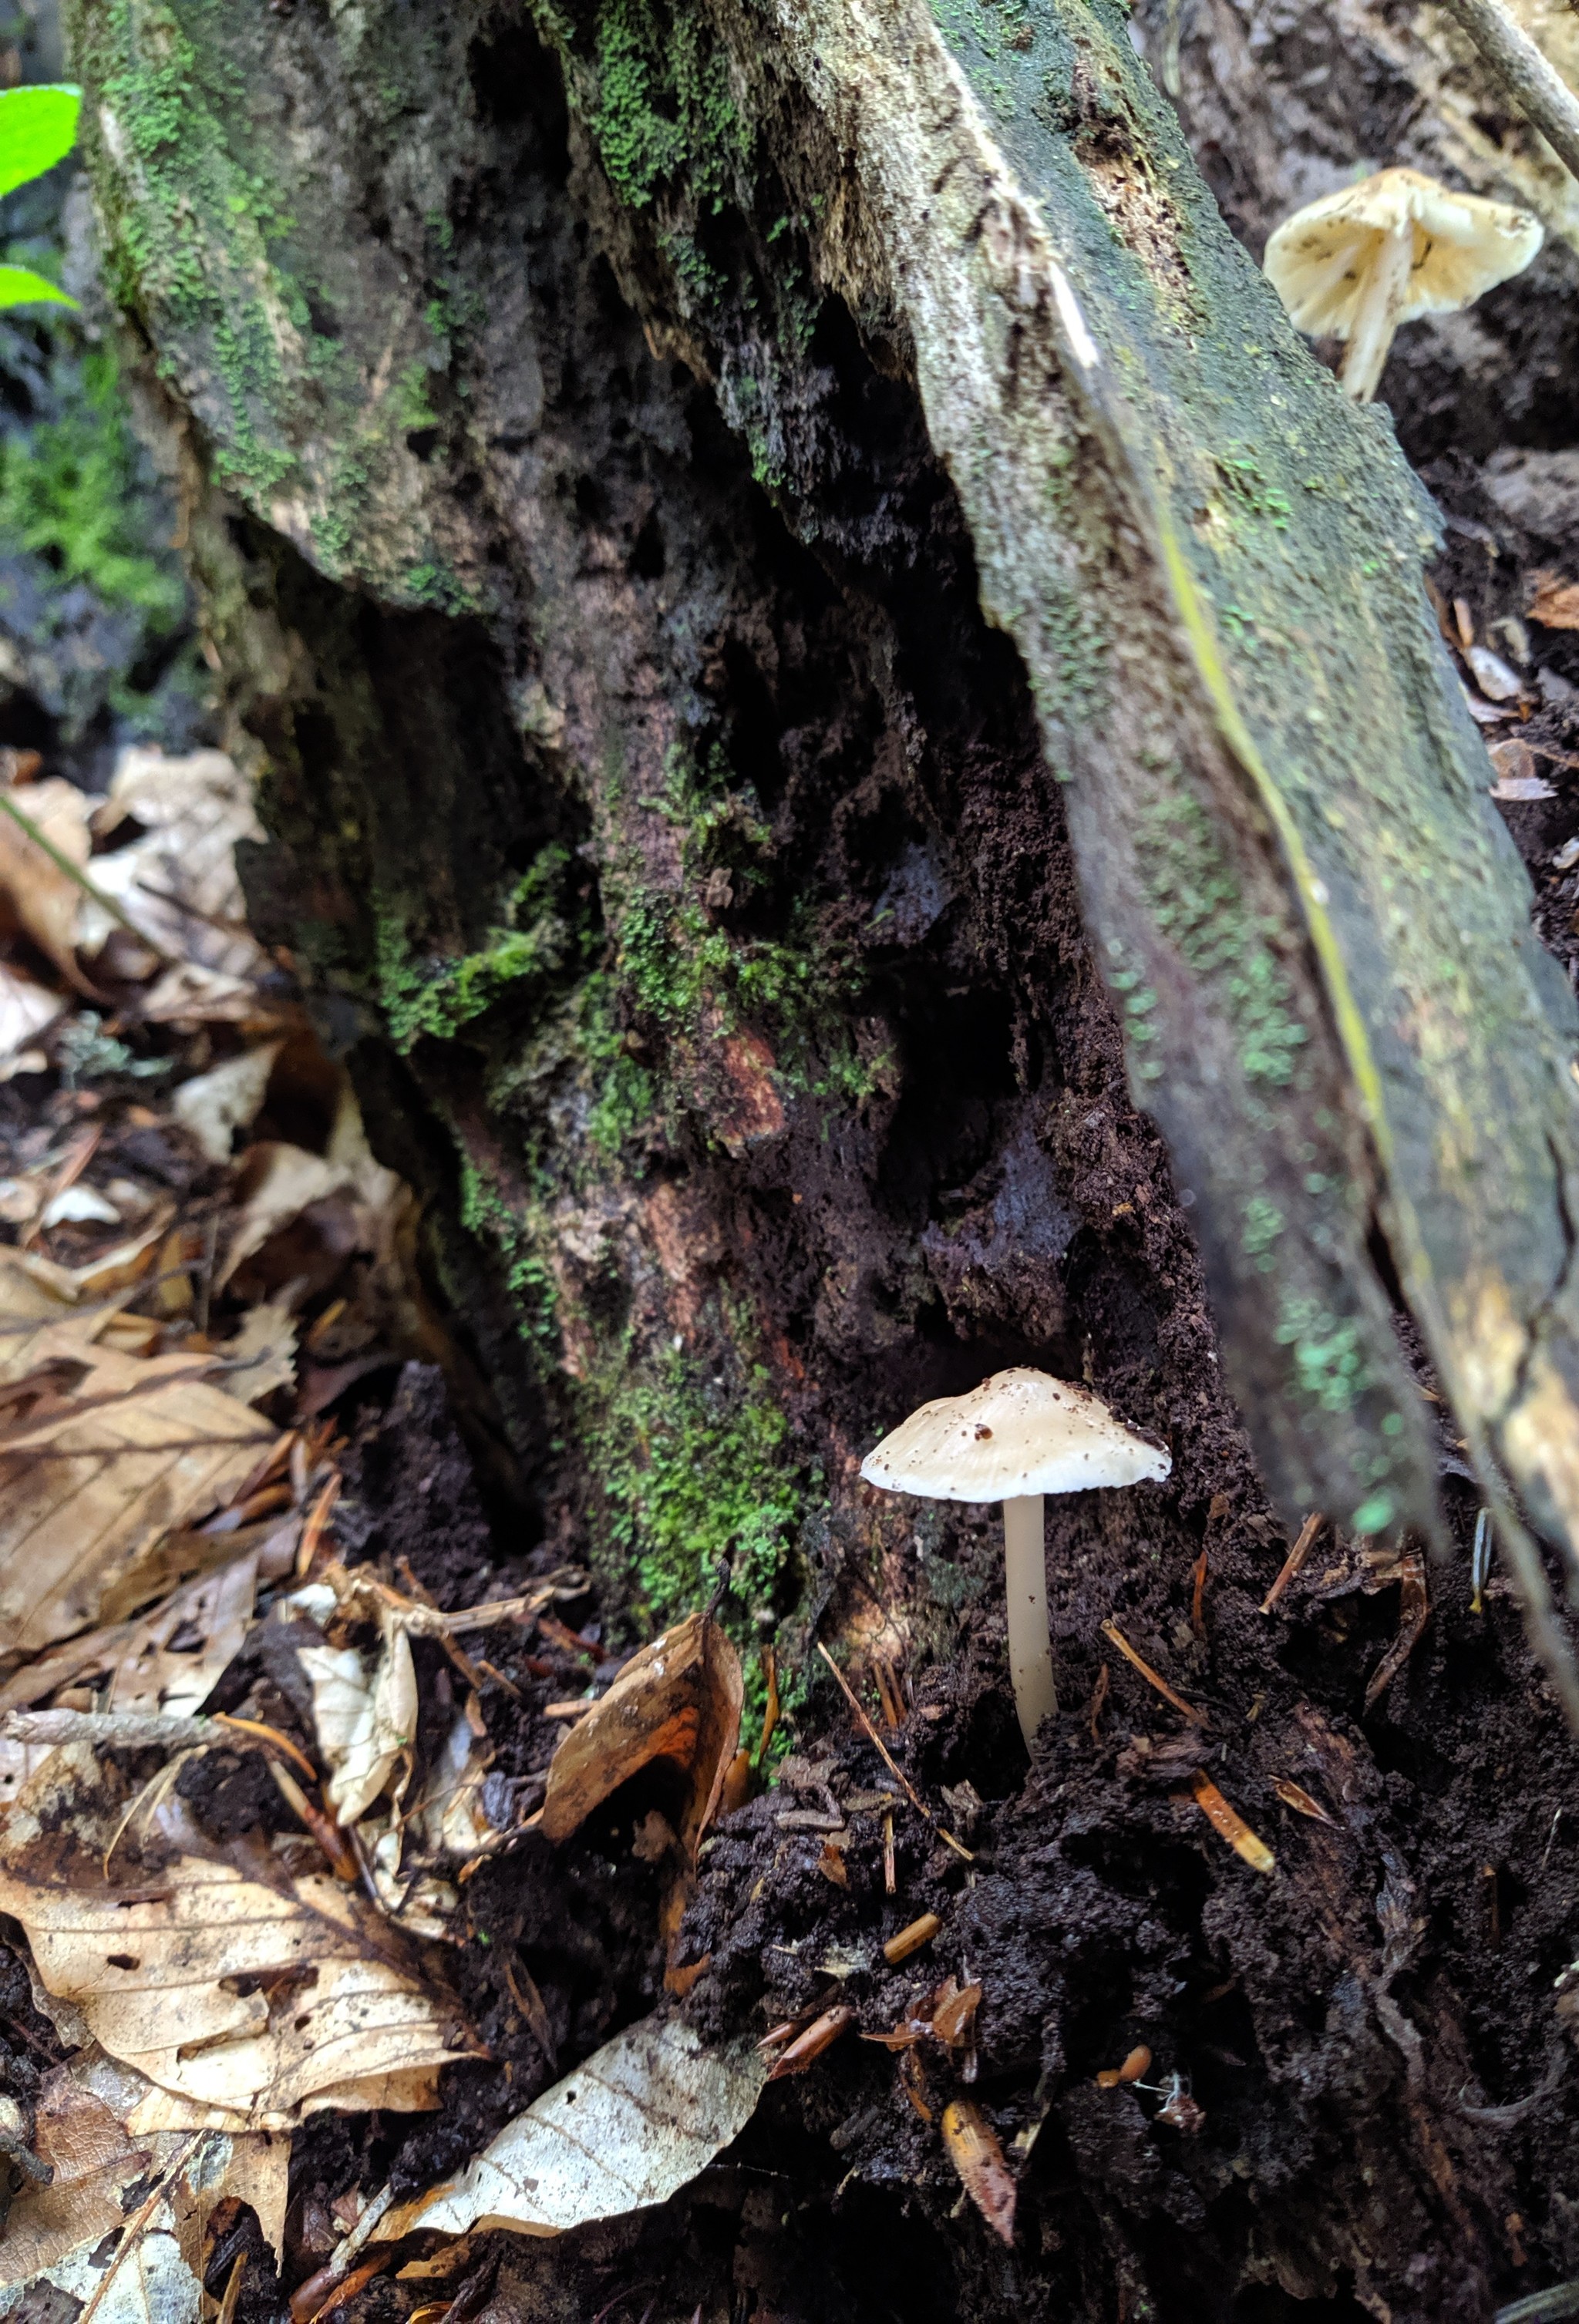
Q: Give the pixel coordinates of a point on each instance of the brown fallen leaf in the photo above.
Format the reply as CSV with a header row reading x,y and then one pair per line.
x,y
1555,603
36,895
260,1357
90,1488
213,1107
1414,1612
79,2137
365,1716
209,1617
359,1204
1294,1795
176,881
972,2148
680,1700
248,1998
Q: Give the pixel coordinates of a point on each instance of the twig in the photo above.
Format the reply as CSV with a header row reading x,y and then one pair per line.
x,y
1528,77
90,888
139,2219
1295,1559
1116,1636
889,1761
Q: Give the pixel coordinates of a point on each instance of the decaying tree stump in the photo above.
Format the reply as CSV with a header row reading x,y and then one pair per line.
x,y
820,659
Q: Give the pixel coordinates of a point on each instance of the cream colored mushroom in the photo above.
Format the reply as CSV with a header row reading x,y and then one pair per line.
x,y
1018,1437
1357,263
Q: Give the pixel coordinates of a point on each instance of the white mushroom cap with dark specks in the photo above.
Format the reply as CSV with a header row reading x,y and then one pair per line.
x,y
1019,1433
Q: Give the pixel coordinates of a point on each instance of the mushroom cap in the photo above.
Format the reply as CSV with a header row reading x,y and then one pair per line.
x,y
1318,260
1019,1433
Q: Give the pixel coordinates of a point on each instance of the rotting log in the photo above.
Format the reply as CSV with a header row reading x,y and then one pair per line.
x,y
1307,911
598,438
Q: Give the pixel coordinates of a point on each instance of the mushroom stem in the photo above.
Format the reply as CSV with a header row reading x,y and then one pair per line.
x,y
1025,1581
1376,314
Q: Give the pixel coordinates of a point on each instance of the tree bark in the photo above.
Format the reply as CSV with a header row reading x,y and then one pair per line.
x,y
825,674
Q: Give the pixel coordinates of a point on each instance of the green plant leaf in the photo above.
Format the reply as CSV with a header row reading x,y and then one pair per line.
x,y
19,285
38,128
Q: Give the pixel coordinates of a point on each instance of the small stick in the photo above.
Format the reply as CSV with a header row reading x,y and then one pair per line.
x,y
266,1734
910,1940
1198,1597
90,888
886,1756
1116,1636
889,1870
1295,1559
1099,1694
1232,1825
1526,75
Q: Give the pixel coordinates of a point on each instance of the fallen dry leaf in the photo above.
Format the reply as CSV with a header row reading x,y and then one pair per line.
x,y
679,1699
91,1486
82,2140
1555,603
328,2011
972,2148
277,1183
26,1008
628,2128
261,1356
177,881
366,1718
209,1617
213,1106
36,895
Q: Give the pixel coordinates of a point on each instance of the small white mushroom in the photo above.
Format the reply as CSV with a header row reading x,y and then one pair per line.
x,y
1018,1437
1357,263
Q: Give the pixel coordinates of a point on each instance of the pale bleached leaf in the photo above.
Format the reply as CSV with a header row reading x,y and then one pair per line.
x,y
627,2129
366,1718
210,1617
176,881
333,2012
25,1009
212,1107
261,1356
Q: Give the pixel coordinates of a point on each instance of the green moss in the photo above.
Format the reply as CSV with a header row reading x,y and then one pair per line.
x,y
434,999
70,491
664,107
1196,904
202,248
693,1484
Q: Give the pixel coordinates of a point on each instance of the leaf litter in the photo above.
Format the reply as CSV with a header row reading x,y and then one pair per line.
x,y
207,1261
